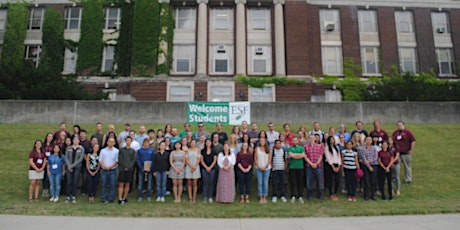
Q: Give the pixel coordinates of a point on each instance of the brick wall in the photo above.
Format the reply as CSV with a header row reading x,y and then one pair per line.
x,y
455,28
201,87
425,40
293,92
314,41
388,38
297,52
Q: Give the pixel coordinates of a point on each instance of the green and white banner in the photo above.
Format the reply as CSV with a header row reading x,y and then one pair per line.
x,y
232,113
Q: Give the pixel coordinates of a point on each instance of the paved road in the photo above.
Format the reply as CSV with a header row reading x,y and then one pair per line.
x,y
439,222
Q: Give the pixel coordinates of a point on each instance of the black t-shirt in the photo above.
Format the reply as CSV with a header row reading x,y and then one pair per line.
x,y
208,159
222,137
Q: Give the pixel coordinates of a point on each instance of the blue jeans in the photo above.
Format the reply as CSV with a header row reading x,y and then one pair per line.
x,y
55,183
314,175
208,182
161,183
262,182
140,183
108,182
72,180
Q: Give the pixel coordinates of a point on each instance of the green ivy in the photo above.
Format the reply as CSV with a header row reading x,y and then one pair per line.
x,y
15,34
124,42
53,41
145,37
166,36
90,45
260,82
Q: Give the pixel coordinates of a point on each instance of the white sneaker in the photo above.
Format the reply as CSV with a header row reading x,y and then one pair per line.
x,y
274,199
158,199
168,193
56,199
74,200
52,199
283,199
210,200
301,200
162,199
293,199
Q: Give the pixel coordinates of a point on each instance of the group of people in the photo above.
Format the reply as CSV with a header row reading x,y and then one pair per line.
x,y
217,163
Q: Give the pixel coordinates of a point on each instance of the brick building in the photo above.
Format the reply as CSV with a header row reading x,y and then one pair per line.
x,y
215,40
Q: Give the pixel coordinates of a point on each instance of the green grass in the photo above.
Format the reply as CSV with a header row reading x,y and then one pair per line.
x,y
435,187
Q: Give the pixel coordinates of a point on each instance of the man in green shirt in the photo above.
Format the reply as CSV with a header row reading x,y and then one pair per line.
x,y
296,169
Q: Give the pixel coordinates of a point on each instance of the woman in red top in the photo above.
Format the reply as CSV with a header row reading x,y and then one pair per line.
x,y
386,170
244,161
37,164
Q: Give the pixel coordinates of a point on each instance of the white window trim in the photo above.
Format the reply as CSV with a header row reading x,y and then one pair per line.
x,y
27,56
68,18
336,20
65,62
230,60
446,24
273,99
190,84
339,62
30,19
230,20
376,59
230,85
3,20
191,59
106,18
438,62
267,19
267,57
176,19
104,58
414,60
398,22
374,21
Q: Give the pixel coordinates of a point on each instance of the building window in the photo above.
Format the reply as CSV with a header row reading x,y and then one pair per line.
x,y
222,19
221,59
440,22
70,61
370,60
220,92
3,19
367,21
35,19
259,60
112,17
108,58
33,53
184,59
259,19
73,18
180,91
404,21
329,20
408,60
266,94
184,18
445,60
332,60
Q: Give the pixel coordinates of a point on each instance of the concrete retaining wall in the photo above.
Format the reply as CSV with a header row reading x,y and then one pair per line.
x,y
81,112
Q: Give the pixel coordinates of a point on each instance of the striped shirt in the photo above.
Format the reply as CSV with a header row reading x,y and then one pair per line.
x,y
279,159
349,159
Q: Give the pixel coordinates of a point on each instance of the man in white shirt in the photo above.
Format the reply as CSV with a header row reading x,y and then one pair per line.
x,y
134,145
123,134
108,159
272,135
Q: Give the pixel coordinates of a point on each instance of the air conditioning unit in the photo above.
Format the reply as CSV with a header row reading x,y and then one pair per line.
x,y
259,50
330,26
221,49
441,30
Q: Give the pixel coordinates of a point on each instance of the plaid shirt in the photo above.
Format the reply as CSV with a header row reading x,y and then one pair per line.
x,y
370,154
313,153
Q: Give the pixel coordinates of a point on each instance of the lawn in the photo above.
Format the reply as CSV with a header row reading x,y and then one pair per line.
x,y
435,187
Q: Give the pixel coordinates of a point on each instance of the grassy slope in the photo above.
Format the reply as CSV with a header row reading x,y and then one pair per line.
x,y
435,189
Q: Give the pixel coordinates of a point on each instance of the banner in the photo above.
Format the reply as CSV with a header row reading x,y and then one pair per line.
x,y
232,113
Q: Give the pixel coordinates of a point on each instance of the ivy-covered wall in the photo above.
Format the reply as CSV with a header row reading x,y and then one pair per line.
x,y
90,46
53,41
165,46
123,49
15,34
145,37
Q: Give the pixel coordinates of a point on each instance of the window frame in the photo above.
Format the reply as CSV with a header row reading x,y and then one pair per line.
x,y
229,85
107,19
74,58
187,84
451,62
325,59
3,21
229,19
31,19
445,22
372,20
35,59
402,17
255,98
68,17
215,55
105,59
266,56
192,58
192,18
251,18
412,59
335,20
376,54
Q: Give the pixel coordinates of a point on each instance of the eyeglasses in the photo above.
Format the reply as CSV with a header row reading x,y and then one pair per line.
x,y
200,126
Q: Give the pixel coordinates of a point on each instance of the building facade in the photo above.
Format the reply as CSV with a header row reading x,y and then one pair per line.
x,y
216,40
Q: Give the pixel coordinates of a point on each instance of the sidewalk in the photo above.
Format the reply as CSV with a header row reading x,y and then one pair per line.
x,y
441,222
